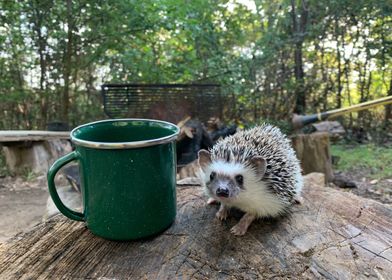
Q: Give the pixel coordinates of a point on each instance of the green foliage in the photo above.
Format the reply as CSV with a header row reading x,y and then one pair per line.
x,y
372,159
3,166
54,55
28,175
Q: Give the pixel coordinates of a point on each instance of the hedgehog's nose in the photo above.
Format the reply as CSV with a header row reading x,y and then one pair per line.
x,y
222,192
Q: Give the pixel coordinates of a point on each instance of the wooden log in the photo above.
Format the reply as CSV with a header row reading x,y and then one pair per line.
x,y
188,170
31,135
313,151
333,235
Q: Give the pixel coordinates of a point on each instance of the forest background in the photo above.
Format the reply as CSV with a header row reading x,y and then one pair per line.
x,y
272,57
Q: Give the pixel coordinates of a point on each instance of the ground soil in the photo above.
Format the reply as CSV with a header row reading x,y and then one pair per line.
x,y
380,190
22,203
20,210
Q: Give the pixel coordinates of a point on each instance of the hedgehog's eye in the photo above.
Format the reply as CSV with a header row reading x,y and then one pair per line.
x,y
212,176
239,179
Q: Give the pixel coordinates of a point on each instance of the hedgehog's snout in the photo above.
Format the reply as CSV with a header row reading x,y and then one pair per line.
x,y
222,192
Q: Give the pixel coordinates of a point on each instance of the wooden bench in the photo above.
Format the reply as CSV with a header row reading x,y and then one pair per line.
x,y
332,235
33,150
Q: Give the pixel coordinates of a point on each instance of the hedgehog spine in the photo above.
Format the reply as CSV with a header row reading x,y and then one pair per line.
x,y
272,194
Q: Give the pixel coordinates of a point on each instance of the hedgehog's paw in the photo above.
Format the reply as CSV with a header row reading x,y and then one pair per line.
x,y
211,201
222,213
298,199
242,226
238,230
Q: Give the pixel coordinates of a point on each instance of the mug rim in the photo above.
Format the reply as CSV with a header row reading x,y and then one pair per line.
x,y
129,144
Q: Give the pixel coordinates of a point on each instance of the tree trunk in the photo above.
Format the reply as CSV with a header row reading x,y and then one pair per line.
x,y
362,90
348,93
332,235
388,109
67,64
300,103
298,32
20,110
255,94
338,57
325,79
347,69
313,151
42,62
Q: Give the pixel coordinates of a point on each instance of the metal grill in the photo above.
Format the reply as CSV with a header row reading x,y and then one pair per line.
x,y
170,102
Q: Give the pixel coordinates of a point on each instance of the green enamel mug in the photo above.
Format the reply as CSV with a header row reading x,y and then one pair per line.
x,y
128,177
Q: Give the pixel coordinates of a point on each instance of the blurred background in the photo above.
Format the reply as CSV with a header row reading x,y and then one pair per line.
x,y
272,57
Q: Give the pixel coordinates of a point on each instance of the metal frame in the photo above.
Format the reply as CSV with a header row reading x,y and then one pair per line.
x,y
206,98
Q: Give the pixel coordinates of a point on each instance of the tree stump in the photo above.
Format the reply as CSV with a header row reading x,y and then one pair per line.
x,y
313,151
332,235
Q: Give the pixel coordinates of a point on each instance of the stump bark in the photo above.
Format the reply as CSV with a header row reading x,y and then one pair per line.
x,y
332,235
313,151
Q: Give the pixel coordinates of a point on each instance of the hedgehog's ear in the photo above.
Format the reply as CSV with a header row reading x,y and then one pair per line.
x,y
204,159
259,164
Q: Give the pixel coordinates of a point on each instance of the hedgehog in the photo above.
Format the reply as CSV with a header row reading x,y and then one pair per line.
x,y
255,171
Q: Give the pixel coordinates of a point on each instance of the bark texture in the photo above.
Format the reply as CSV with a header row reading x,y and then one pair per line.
x,y
314,152
332,235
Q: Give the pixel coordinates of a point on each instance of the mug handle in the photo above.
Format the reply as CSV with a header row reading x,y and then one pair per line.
x,y
52,187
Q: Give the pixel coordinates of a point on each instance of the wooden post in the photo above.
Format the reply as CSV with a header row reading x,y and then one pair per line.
x,y
313,150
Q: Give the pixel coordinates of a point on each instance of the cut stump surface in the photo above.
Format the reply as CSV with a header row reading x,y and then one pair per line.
x,y
332,235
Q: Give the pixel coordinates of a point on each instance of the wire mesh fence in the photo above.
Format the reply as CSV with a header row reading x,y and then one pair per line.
x,y
170,102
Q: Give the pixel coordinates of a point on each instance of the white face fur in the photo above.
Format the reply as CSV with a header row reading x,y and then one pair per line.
x,y
224,181
236,185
